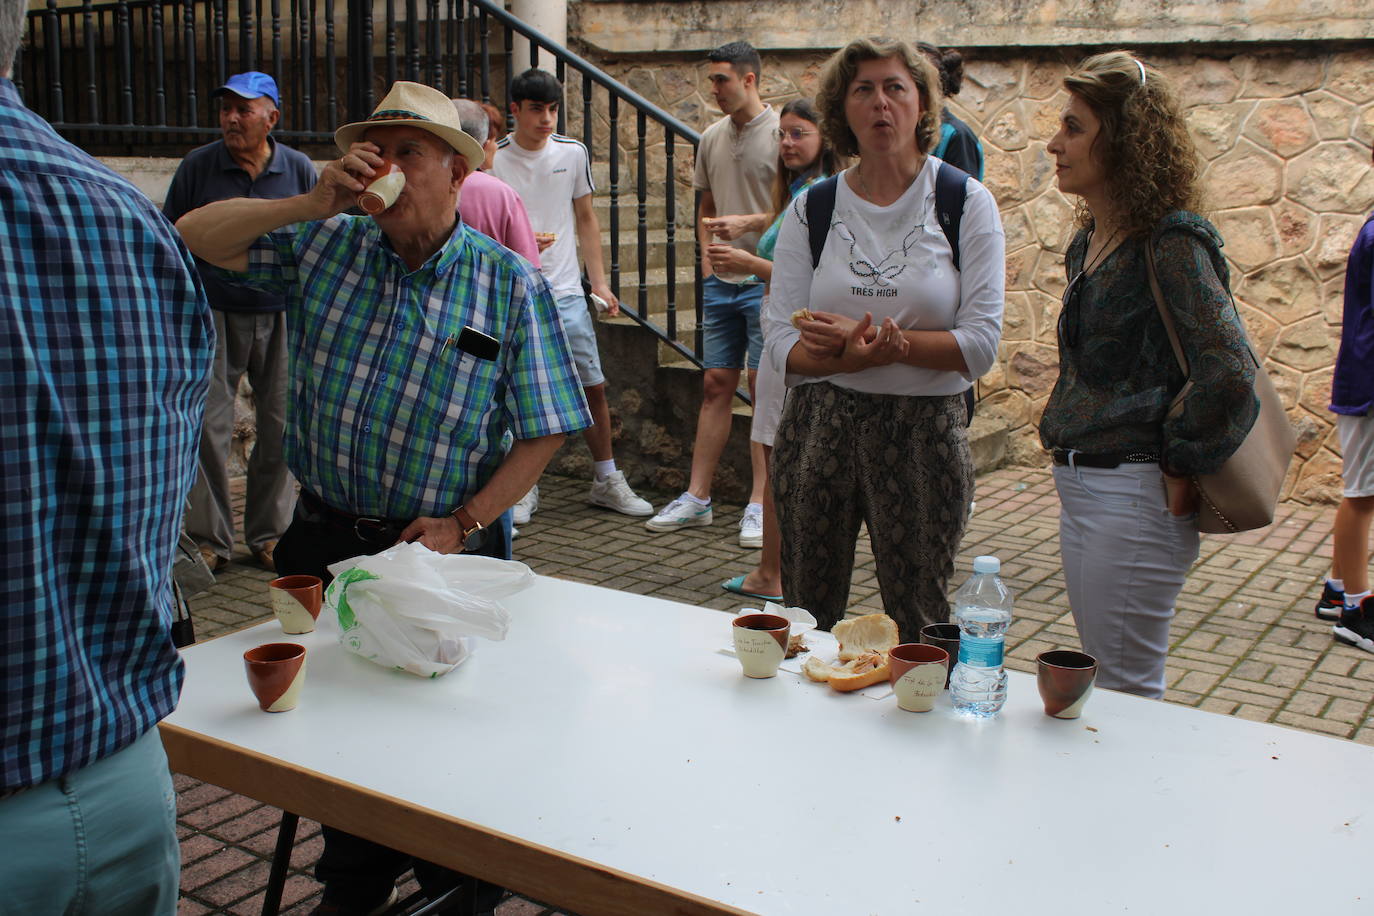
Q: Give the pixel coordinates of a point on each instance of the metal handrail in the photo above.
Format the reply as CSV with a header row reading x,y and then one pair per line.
x,y
88,81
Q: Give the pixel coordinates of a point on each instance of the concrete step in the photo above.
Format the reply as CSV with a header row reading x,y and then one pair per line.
x,y
655,248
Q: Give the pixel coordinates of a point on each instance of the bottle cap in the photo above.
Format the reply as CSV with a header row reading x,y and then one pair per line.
x,y
986,565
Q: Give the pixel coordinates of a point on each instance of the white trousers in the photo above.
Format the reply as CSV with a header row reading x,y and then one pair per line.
x,y
1125,562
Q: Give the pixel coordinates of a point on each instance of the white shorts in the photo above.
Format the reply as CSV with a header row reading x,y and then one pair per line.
x,y
1357,454
769,392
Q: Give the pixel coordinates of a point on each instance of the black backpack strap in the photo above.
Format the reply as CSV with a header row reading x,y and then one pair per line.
x,y
951,187
820,206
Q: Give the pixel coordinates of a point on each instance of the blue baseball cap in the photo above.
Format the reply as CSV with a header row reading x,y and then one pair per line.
x,y
251,85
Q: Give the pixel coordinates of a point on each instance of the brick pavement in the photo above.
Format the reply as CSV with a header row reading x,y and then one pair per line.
x,y
1245,642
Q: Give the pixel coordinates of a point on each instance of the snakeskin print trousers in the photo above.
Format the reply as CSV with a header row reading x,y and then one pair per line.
x,y
901,465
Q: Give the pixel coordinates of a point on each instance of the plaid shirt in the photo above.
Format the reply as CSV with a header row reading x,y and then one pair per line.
x,y
105,348
387,417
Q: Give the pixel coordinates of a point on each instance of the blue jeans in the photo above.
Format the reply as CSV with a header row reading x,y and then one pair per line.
x,y
730,324
99,841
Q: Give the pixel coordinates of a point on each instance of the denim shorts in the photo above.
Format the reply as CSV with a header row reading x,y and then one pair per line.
x,y
730,324
577,327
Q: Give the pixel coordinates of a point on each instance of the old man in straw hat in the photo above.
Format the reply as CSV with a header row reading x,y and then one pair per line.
x,y
415,345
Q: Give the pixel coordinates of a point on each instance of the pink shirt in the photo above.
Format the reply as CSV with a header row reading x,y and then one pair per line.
x,y
489,205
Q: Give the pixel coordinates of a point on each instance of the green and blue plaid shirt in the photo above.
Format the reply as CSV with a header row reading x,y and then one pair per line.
x,y
386,416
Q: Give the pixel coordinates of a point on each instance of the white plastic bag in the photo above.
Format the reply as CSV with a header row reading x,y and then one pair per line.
x,y
411,608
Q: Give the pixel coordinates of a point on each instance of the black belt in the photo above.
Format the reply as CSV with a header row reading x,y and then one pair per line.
x,y
367,528
1084,460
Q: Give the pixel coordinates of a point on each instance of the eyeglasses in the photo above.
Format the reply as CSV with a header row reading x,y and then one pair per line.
x,y
795,134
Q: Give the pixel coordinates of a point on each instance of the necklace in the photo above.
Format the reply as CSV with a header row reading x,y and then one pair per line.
x,y
1101,252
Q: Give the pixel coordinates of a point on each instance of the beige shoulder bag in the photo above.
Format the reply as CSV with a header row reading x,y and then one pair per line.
x,y
1242,495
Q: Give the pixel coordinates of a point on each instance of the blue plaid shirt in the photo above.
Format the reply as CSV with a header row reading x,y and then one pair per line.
x,y
105,348
387,417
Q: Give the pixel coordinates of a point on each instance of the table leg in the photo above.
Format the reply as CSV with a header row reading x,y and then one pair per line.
x,y
281,861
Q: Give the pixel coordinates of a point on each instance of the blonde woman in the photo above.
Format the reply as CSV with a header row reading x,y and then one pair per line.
x,y
1127,526
889,335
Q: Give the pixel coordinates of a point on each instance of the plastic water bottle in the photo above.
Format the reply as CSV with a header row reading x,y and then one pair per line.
x,y
982,608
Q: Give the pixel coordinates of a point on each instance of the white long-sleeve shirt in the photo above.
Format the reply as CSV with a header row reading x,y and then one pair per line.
x,y
894,261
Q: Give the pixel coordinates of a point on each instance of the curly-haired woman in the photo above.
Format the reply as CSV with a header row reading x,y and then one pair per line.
x,y
1127,531
873,428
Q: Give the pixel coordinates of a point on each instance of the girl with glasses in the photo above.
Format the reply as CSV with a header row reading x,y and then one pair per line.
x,y
803,157
1122,458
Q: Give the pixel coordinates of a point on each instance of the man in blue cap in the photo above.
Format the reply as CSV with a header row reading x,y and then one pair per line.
x,y
250,325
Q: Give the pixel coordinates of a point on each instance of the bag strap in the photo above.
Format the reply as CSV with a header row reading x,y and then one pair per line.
x,y
820,206
1164,315
951,188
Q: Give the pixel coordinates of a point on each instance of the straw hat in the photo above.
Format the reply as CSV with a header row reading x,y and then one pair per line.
x,y
414,105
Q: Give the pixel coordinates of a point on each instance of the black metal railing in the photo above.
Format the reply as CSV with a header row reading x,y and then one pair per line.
x,y
136,77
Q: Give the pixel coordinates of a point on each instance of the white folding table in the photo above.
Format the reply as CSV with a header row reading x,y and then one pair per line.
x,y
607,757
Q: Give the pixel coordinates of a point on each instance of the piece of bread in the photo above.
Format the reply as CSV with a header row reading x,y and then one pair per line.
x,y
800,314
855,674
870,633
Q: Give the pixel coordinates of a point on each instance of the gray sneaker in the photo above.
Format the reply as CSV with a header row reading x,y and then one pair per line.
x,y
680,513
614,493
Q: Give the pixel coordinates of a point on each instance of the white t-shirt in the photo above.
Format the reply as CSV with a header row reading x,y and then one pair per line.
x,y
548,181
894,261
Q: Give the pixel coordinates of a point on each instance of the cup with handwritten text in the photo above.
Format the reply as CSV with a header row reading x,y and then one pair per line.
x,y
761,643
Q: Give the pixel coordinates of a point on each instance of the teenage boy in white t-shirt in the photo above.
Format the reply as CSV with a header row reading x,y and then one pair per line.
x,y
553,175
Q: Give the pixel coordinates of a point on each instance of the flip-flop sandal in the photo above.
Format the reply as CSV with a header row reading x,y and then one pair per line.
x,y
736,585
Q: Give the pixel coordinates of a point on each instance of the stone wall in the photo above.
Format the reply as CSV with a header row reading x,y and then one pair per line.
x,y
1285,134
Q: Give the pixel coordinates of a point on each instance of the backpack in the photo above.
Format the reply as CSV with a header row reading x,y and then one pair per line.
x,y
951,187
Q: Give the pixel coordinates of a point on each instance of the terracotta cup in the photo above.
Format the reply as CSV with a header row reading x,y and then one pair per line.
x,y
383,190
761,643
917,672
1065,679
275,674
296,602
946,636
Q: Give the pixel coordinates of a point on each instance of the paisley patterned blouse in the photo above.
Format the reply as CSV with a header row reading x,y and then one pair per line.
x,y
1117,372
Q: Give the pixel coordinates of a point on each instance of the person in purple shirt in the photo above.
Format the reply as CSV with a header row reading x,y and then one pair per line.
x,y
1346,594
488,204
250,325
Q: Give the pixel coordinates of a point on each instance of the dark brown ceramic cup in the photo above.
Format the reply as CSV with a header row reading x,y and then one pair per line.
x,y
275,674
761,643
946,636
1065,679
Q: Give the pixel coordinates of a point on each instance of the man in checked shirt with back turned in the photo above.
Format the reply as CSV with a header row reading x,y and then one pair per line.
x,y
395,413
106,343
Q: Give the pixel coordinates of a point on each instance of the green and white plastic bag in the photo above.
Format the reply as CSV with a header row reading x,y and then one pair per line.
x,y
413,609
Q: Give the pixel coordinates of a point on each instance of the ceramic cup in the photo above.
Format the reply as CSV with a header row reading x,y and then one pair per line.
x,y
1065,679
946,636
296,602
275,674
917,672
761,643
382,192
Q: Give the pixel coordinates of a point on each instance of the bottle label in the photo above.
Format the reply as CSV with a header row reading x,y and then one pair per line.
x,y
980,652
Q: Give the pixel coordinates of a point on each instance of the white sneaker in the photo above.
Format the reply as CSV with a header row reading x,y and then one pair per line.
x,y
680,513
751,526
527,506
615,493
